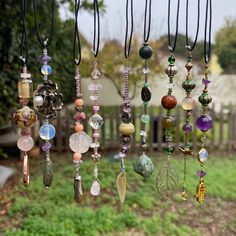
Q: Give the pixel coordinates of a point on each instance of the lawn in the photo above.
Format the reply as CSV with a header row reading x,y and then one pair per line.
x,y
35,211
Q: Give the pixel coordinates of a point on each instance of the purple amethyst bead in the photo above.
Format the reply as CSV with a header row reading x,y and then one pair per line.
x,y
45,58
206,81
201,173
46,147
204,122
187,128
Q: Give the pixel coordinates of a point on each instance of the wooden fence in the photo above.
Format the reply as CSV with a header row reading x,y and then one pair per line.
x,y
221,137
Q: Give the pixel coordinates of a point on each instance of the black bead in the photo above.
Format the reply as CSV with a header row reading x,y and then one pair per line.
x,y
126,117
145,52
125,139
146,94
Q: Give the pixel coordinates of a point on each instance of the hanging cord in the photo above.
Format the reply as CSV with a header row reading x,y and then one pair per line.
x,y
46,42
24,39
128,41
96,30
172,47
76,35
188,46
207,45
147,20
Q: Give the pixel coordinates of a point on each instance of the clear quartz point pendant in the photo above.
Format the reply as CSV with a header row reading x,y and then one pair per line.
x,y
121,185
95,188
96,121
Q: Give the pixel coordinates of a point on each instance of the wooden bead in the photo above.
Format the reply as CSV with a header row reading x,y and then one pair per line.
x,y
169,102
79,128
126,129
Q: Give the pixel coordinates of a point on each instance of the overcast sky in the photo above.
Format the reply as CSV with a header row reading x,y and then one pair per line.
x,y
113,21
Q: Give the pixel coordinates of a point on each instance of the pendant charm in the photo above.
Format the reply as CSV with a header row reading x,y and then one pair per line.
x,y
144,166
95,188
78,193
26,170
201,191
47,173
121,185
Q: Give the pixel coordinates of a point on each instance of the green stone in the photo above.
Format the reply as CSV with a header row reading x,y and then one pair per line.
x,y
170,150
145,119
145,52
171,60
146,85
205,99
144,166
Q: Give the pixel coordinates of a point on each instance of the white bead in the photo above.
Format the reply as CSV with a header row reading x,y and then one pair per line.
x,y
25,143
38,101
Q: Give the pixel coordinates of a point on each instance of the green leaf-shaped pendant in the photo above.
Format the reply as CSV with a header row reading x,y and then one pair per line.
x,y
144,166
121,185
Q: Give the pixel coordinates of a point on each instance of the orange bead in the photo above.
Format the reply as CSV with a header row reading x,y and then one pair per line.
x,y
77,156
79,128
79,102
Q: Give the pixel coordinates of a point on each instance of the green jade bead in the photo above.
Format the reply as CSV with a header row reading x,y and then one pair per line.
x,y
145,119
145,51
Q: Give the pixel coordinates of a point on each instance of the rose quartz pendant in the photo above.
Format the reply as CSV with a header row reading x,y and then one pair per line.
x,y
95,188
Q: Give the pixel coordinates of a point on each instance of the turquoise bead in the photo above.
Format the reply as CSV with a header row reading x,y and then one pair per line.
x,y
145,119
46,69
47,132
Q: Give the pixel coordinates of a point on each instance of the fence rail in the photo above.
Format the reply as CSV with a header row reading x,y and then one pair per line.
x,y
221,137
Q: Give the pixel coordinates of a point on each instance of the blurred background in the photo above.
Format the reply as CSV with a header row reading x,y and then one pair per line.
x,y
37,211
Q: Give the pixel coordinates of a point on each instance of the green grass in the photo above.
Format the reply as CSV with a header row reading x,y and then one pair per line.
x,y
52,212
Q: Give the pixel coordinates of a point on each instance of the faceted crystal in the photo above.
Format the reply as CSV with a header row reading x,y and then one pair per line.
x,y
46,146
170,85
95,73
121,185
145,119
47,132
46,69
93,87
80,142
203,155
95,188
96,121
201,173
25,143
94,145
45,58
93,98
146,70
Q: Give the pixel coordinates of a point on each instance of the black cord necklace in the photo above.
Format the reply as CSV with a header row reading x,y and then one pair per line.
x,y
79,141
47,99
95,121
144,165
167,179
126,128
205,121
188,102
25,117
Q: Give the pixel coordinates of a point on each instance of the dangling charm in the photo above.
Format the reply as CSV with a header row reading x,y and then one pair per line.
x,y
126,130
204,122
144,165
96,122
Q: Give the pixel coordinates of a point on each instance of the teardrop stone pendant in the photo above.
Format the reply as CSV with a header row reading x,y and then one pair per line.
x,y
78,193
144,166
121,185
47,173
95,188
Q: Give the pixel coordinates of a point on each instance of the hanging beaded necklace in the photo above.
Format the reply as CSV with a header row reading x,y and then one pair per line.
x,y
47,99
25,117
167,179
95,121
79,141
188,102
126,128
204,122
144,165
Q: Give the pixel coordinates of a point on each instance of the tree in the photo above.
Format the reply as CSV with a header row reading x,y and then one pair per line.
x,y
225,46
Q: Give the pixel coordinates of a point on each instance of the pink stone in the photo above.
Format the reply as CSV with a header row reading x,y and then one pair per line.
x,y
96,135
25,143
95,108
95,188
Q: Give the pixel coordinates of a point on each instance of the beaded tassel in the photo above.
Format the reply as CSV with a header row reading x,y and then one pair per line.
x,y
126,129
167,177
204,123
96,122
47,100
144,165
79,141
25,118
188,105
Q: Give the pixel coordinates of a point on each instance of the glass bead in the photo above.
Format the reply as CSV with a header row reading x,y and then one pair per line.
x,y
38,101
46,69
47,132
25,143
204,122
187,128
201,173
96,121
93,97
171,60
95,73
203,155
46,146
146,70
25,117
145,119
188,103
25,88
168,122
80,142
170,85
94,87
94,145
45,58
